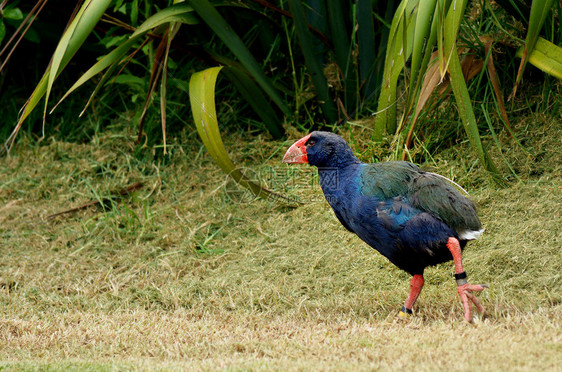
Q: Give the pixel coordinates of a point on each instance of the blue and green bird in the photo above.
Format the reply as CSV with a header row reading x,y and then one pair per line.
x,y
414,218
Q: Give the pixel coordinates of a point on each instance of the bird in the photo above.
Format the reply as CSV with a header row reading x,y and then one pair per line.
x,y
412,217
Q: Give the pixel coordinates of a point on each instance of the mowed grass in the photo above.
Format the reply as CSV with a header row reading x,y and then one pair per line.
x,y
188,274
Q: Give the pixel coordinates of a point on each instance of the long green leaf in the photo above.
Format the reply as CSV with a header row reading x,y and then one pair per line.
x,y
312,64
460,89
367,47
546,56
539,11
202,97
181,13
398,50
90,15
386,109
109,59
107,74
422,34
340,36
342,47
211,16
422,55
60,51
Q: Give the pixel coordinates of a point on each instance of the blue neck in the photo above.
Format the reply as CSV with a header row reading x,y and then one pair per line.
x,y
335,181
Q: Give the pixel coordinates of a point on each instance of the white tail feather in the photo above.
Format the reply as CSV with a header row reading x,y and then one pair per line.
x,y
470,234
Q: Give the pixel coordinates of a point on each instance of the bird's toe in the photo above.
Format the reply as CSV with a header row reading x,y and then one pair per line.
x,y
467,297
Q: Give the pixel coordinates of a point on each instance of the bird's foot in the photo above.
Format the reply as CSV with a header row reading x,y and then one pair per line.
x,y
404,313
466,292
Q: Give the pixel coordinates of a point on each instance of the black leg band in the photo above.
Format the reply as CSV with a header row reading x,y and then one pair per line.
x,y
461,278
406,311
460,275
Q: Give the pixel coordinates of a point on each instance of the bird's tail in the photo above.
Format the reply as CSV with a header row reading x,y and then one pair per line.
x,y
470,234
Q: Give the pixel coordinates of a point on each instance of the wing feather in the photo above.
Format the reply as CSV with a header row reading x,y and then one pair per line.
x,y
439,198
425,191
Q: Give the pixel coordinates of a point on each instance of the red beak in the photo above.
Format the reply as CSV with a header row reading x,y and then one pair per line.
x,y
297,152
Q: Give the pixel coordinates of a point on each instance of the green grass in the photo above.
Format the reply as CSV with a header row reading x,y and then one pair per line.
x,y
181,275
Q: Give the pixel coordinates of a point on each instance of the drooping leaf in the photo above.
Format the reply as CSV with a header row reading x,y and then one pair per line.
x,y
202,98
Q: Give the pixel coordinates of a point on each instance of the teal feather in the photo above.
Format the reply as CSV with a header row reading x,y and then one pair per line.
x,y
387,180
424,191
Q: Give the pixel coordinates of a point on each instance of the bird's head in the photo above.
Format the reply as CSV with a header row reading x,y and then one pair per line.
x,y
321,149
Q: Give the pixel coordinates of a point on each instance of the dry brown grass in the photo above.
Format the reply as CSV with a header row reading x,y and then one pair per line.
x,y
180,276
223,340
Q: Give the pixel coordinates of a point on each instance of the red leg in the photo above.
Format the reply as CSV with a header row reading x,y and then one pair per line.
x,y
416,285
464,288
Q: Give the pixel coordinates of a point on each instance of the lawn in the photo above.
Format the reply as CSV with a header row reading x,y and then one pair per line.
x,y
188,273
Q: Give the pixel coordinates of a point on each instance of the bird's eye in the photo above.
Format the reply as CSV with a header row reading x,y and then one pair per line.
x,y
310,143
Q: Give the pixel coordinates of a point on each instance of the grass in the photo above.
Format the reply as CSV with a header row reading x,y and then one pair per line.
x,y
187,274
